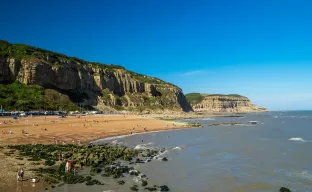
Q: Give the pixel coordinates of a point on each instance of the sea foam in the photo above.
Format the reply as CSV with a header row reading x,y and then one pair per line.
x,y
296,139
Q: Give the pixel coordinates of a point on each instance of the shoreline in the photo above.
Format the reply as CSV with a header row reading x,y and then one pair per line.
x,y
106,127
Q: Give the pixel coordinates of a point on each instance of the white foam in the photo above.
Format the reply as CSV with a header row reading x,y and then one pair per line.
x,y
176,148
296,139
207,119
144,146
160,155
122,136
302,174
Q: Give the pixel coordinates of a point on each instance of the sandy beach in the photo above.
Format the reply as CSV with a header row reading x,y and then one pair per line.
x,y
72,129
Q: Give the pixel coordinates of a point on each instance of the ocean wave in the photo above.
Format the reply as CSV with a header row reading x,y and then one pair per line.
x,y
297,139
207,119
177,148
302,174
144,146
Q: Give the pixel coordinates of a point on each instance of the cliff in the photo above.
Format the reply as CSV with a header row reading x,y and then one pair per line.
x,y
83,83
221,103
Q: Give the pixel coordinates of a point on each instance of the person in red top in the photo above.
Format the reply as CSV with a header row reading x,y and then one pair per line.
x,y
70,165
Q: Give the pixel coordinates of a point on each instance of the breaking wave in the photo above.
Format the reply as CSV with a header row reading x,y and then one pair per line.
x,y
297,139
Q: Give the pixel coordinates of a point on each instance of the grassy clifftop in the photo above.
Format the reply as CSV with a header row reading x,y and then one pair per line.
x,y
51,80
21,51
195,98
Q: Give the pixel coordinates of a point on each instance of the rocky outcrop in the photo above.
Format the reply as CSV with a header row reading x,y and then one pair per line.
x,y
89,84
222,103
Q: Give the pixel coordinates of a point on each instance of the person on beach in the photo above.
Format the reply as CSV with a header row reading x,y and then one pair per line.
x,y
63,155
70,165
22,174
66,167
18,176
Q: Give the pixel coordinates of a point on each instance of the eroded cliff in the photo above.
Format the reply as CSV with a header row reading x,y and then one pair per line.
x,y
87,83
221,103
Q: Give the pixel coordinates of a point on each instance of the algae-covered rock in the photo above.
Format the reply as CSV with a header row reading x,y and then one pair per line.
x,y
101,158
121,182
94,182
284,189
151,188
134,188
164,188
144,183
73,179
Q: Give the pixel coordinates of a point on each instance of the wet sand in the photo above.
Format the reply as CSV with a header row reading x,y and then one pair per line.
x,y
69,130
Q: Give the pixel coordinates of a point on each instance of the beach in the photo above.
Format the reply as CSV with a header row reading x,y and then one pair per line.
x,y
73,129
69,130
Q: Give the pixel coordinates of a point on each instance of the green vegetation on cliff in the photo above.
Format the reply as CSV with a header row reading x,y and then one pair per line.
x,y
17,96
21,51
51,80
194,98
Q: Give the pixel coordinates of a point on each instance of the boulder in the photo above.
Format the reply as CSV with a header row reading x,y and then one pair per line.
x,y
284,189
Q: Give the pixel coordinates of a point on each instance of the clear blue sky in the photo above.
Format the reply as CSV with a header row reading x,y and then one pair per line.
x,y
260,49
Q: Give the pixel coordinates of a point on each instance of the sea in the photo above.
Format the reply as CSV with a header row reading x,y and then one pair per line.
x,y
263,157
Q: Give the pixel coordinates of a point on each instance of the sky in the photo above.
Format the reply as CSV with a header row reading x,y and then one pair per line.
x,y
259,49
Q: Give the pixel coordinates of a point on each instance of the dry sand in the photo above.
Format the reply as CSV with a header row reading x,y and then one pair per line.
x,y
86,128
70,130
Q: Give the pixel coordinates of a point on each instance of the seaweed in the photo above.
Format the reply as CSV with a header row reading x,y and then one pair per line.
x,y
103,159
49,162
134,188
151,188
93,182
144,183
122,182
73,179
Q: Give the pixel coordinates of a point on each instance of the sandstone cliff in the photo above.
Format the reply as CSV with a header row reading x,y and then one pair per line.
x,y
221,103
87,83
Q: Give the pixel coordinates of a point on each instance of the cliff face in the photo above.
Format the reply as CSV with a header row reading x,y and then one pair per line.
x,y
87,83
222,103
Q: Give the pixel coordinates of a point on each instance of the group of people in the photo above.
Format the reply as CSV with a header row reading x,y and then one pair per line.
x,y
9,132
20,175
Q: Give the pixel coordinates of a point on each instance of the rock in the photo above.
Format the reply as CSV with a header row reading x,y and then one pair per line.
x,y
144,183
92,84
121,182
134,188
284,189
221,103
94,182
164,188
164,159
151,188
73,179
